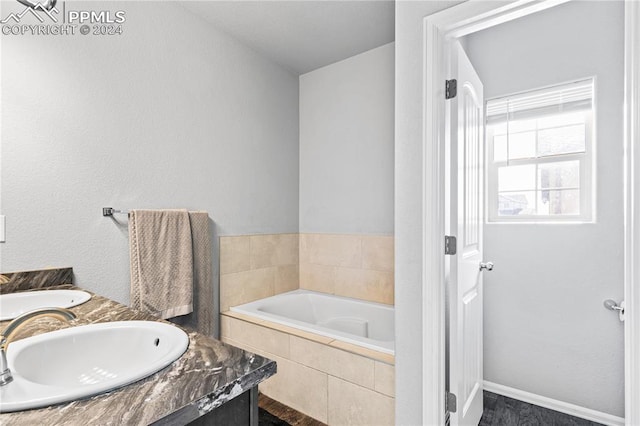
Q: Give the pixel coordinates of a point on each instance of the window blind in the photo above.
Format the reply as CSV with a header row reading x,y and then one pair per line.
x,y
551,100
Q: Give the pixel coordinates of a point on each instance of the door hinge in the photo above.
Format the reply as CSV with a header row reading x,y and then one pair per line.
x,y
451,402
451,89
450,244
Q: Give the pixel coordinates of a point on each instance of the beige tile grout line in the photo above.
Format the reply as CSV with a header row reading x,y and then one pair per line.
x,y
250,253
327,416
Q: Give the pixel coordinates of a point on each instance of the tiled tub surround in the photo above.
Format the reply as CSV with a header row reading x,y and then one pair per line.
x,y
335,382
253,267
332,381
358,266
209,374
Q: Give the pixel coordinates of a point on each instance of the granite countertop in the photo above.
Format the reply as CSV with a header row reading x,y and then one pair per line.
x,y
209,374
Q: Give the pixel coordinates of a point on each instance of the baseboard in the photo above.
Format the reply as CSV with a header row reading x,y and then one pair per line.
x,y
554,404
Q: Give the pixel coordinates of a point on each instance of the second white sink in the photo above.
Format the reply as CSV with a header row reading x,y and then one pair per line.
x,y
78,362
16,304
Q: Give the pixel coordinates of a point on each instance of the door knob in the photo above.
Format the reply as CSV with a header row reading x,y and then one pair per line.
x,y
486,265
613,306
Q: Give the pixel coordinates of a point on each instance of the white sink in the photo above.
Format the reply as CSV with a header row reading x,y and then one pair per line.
x,y
16,304
82,361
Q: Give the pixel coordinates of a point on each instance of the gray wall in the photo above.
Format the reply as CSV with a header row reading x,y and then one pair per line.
x,y
545,329
172,114
346,145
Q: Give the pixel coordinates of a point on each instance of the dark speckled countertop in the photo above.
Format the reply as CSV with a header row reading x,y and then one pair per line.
x,y
209,374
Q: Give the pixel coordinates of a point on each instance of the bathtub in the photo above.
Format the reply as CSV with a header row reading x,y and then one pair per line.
x,y
355,321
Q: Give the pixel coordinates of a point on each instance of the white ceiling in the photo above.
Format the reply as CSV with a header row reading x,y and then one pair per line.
x,y
303,35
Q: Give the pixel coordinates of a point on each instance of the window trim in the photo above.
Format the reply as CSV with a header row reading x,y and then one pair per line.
x,y
587,173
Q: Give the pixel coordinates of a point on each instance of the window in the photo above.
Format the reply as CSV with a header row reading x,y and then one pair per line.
x,y
540,155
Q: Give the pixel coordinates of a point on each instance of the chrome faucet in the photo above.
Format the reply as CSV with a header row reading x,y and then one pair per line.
x,y
7,335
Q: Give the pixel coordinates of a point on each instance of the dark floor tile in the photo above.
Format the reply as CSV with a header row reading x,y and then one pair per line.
x,y
267,419
287,415
486,419
489,400
498,411
532,415
506,412
562,419
503,411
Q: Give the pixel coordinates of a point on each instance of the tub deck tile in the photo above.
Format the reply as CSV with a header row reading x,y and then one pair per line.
x,y
385,379
349,347
272,341
243,317
351,404
279,327
336,362
369,353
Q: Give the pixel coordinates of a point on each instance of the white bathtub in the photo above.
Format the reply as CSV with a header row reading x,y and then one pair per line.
x,y
362,323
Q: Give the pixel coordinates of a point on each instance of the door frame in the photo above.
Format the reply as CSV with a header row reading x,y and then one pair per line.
x,y
460,20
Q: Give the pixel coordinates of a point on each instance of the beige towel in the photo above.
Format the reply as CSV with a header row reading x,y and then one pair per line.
x,y
201,319
161,262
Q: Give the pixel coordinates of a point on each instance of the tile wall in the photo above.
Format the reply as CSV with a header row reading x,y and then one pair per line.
x,y
253,267
359,266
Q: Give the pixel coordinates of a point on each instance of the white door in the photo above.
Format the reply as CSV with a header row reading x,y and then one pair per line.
x,y
465,276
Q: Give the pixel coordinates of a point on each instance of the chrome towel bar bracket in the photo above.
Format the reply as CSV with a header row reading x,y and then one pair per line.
x,y
110,211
